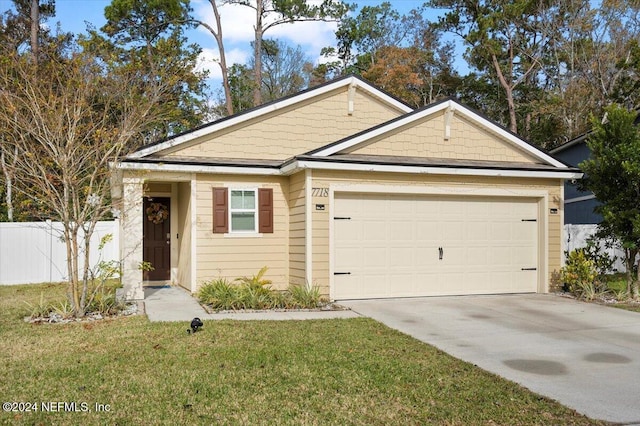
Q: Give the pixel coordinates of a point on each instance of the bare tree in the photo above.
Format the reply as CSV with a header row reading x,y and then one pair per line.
x,y
271,13
13,33
222,62
35,28
8,167
66,129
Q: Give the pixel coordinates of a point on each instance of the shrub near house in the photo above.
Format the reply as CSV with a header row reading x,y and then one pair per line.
x,y
255,293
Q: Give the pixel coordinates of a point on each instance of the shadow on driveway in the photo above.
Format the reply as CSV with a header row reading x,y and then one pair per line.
x,y
585,356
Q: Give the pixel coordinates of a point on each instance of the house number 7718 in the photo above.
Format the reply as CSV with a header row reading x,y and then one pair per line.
x,y
319,192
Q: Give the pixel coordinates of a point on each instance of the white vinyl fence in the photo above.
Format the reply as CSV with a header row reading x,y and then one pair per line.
x,y
34,252
575,236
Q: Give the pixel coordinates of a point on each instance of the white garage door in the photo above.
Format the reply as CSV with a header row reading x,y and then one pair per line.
x,y
414,245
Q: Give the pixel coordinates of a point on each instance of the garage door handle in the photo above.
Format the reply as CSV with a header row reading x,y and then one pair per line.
x,y
529,269
341,218
342,273
440,253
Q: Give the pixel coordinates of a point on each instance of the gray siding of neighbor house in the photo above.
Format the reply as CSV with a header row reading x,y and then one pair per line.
x,y
579,212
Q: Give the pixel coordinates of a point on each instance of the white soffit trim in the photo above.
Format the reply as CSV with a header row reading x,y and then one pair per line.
x,y
551,174
449,105
164,167
260,111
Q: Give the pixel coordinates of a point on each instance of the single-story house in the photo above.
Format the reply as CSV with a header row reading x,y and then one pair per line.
x,y
347,188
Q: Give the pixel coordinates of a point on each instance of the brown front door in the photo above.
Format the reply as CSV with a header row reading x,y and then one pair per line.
x,y
156,244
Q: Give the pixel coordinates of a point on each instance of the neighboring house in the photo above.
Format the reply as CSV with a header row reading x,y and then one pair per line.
x,y
578,205
345,187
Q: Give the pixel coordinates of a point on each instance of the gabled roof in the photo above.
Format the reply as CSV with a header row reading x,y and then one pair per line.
x,y
578,140
585,136
209,128
444,105
342,155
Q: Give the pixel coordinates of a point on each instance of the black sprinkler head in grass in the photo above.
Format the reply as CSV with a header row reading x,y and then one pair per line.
x,y
196,323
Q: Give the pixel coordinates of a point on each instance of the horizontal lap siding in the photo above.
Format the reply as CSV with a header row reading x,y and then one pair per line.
x,y
228,256
300,128
426,139
321,237
324,179
297,229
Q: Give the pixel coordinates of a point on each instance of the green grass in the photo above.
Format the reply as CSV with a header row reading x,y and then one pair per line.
x,y
338,372
616,283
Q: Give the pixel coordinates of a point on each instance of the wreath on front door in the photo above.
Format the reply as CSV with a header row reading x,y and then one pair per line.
x,y
157,213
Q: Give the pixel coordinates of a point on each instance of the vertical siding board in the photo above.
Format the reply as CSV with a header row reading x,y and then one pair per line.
x,y
33,252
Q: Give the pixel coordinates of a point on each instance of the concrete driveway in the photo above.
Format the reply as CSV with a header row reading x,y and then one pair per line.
x,y
583,355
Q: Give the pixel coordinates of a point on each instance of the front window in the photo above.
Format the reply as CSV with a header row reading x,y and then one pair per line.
x,y
243,210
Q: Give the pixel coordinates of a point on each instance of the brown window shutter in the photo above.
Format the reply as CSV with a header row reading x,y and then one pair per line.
x,y
265,210
220,210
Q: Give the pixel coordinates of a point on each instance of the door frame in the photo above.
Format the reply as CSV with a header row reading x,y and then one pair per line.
x,y
149,198
172,195
542,197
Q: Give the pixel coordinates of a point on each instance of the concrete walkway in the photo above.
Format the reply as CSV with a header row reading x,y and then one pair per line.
x,y
176,304
584,355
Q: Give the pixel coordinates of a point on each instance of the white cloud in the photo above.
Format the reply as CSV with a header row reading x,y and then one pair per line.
x,y
312,36
237,21
209,59
238,32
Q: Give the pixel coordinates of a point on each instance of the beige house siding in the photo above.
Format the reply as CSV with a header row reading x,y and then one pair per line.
x,y
294,130
184,235
426,138
157,189
324,179
231,256
297,228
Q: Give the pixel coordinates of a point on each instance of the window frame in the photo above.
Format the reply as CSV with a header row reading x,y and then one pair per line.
x,y
256,226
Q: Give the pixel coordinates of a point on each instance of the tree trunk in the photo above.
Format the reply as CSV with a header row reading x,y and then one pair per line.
x,y
8,179
630,262
35,28
223,59
217,34
257,55
71,240
508,90
634,286
88,233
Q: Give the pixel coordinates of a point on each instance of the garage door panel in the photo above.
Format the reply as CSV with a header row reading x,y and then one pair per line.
x,y
375,230
426,231
401,256
402,230
476,231
451,230
374,256
477,256
391,245
348,231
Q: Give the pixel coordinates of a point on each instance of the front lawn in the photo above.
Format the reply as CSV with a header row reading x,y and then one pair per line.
x,y
617,283
338,372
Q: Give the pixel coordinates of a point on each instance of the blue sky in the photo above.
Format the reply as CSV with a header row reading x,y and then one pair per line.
x,y
237,22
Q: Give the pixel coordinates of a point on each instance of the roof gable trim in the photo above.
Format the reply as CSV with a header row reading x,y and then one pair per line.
x,y
450,106
351,81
